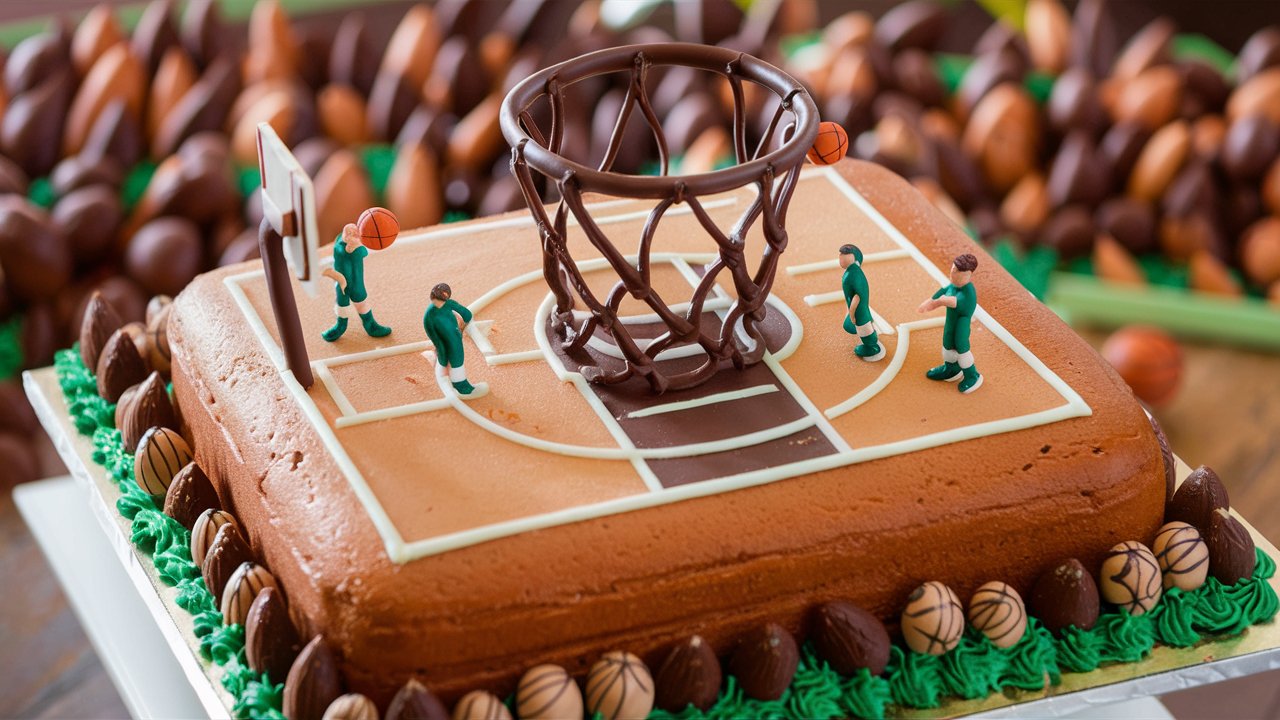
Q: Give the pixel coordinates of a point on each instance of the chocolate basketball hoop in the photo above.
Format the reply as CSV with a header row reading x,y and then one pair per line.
x,y
730,337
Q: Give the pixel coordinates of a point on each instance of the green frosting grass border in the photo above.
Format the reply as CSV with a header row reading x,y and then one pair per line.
x,y
974,669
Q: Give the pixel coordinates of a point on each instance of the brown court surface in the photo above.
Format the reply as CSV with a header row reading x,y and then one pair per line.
x,y
437,473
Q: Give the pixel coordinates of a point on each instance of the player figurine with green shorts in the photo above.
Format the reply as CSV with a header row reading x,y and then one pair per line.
x,y
857,319
445,334
347,274
960,299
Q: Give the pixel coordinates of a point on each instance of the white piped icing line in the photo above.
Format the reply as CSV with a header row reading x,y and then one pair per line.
x,y
401,551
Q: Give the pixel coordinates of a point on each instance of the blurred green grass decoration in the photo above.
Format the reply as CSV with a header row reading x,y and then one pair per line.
x,y
10,347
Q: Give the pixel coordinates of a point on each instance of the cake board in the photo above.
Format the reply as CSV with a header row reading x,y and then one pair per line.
x,y
1165,670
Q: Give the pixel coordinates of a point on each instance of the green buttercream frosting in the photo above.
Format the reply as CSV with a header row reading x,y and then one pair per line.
x,y
1033,661
1174,618
1079,650
973,668
1125,637
914,679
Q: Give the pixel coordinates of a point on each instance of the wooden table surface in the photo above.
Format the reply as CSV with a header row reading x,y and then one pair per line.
x,y
1227,416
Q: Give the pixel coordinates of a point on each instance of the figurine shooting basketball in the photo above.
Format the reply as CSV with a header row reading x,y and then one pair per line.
x,y
376,229
960,299
441,322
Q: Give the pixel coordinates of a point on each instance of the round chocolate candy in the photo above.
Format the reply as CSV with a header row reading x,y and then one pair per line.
x,y
89,217
1182,555
1130,578
546,692
933,620
997,611
165,254
619,687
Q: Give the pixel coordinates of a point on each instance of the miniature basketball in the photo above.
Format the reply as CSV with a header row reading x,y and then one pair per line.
x,y
933,619
203,532
1149,361
1130,578
378,228
547,692
831,144
161,454
480,705
242,589
619,687
998,612
1183,556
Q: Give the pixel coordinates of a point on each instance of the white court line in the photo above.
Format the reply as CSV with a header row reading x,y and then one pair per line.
x,y
479,331
398,411
331,384
714,399
834,263
512,358
891,370
882,326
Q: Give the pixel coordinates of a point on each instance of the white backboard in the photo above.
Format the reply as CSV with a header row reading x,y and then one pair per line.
x,y
289,204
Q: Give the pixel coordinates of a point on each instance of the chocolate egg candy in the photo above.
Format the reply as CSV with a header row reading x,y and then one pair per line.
x,y
35,256
765,661
1004,134
1048,31
353,57
917,76
1167,460
1207,89
481,705
413,189
96,32
100,321
342,114
13,179
314,682
390,103
157,341
1182,555
427,126
1121,145
1197,497
477,138
31,130
119,368
161,454
242,589
1130,578
1093,37
205,530
1259,95
689,676
115,76
1250,145
1183,237
1074,104
155,34
273,45
1159,161
203,108
996,610
89,218
985,74
342,192
1112,263
1077,174
1231,549
1150,99
190,496
546,692
138,332
1070,231
849,638
352,706
1260,51
1260,251
116,133
1130,221
226,553
619,687
39,336
415,701
164,255
917,24
1065,596
1149,47
412,47
1193,190
149,407
933,619
33,60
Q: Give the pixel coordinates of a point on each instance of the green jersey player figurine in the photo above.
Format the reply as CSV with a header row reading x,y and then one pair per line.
x,y
857,319
960,299
347,274
441,323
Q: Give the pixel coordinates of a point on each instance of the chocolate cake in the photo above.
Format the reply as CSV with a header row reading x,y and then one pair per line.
x,y
461,544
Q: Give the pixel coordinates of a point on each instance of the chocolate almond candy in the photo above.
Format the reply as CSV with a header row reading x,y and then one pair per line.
x,y
12,179
1093,37
119,366
415,702
1260,51
116,76
689,676
1130,221
116,134
242,589
226,553
1193,190
353,57
155,34
1065,596
342,192
1077,174
149,407
915,24
203,108
165,254
1208,274
413,189
1048,31
1120,147
477,139
314,681
31,131
1197,497
271,642
1070,231
100,321
1074,105
985,74
1249,147
202,31
1231,549
81,171
1112,263
1159,161
34,60
94,35
89,217
1260,251
173,77
391,101
1207,90
155,305
459,79
1151,99
916,75
189,496
412,47
1167,460
1149,47
765,661
850,638
1260,95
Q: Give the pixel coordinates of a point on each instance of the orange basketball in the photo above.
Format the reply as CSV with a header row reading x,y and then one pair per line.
x,y
831,144
378,228
1149,361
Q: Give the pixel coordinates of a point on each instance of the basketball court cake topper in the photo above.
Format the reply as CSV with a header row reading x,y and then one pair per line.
x,y
773,168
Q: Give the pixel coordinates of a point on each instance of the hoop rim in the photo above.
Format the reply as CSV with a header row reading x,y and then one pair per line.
x,y
622,58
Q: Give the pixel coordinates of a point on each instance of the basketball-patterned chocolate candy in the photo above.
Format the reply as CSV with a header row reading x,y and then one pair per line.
x,y
933,620
242,589
203,532
997,611
1182,555
378,228
619,687
831,144
480,705
157,341
1130,578
352,706
546,692
161,454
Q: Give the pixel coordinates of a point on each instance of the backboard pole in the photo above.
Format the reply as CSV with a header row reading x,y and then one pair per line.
x,y
283,304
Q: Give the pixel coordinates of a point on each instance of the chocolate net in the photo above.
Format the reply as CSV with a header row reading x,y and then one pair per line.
x,y
735,338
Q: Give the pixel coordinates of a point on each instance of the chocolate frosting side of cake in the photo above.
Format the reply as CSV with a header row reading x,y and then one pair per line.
x,y
1004,507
